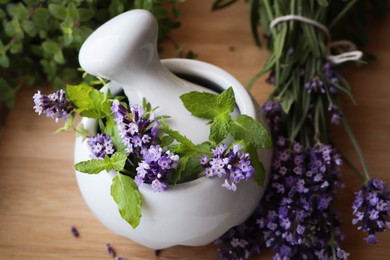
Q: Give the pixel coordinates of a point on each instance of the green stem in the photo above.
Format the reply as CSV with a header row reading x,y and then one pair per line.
x,y
357,147
342,13
353,168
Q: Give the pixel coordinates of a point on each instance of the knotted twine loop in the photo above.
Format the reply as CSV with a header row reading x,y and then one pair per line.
x,y
352,54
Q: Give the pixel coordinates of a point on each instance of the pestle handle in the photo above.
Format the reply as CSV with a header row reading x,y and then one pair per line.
x,y
124,45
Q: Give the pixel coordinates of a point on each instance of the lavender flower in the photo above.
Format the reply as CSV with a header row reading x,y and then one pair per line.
x,y
74,231
273,112
156,167
315,84
294,218
335,115
234,165
110,250
101,146
138,129
55,105
371,208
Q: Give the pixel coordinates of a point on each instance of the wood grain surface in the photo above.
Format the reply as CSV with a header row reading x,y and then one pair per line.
x,y
39,198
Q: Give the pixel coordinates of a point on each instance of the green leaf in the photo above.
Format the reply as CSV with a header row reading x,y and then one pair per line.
x,y
29,28
207,105
50,47
251,131
41,17
220,4
226,101
4,61
2,14
201,104
59,57
286,101
259,176
112,130
128,198
85,14
68,124
89,101
81,131
72,11
220,127
21,12
118,160
93,166
58,11
187,143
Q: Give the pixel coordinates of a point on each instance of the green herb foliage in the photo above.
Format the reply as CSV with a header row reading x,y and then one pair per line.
x,y
40,40
95,104
244,129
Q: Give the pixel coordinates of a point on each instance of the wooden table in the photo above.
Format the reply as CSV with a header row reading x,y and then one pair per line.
x,y
39,198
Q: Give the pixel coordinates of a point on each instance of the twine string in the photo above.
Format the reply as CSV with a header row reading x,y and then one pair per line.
x,y
351,55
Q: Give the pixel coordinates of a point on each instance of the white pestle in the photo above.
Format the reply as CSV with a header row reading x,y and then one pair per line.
x,y
124,50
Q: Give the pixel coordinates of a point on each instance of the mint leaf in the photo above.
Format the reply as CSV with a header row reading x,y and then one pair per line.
x,y
127,197
182,165
259,175
226,101
220,127
201,104
93,166
207,105
187,143
89,102
111,129
118,160
250,131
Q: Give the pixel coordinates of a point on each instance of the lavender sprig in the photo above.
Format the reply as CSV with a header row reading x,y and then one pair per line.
x,y
371,208
234,165
137,129
156,168
101,146
55,105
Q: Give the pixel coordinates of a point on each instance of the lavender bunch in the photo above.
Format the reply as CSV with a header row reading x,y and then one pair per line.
x,y
55,105
297,218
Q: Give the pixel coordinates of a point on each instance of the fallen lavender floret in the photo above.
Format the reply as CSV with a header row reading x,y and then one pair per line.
x,y
110,250
74,231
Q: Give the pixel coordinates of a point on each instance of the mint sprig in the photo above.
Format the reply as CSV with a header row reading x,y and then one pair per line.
x,y
244,129
89,102
94,166
128,198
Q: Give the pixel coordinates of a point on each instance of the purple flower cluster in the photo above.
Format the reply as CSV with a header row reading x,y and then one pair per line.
x,y
294,218
138,130
156,167
316,84
233,164
101,145
55,105
371,208
299,221
273,111
241,241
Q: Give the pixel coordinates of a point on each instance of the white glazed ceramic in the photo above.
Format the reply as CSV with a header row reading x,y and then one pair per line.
x,y
193,213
